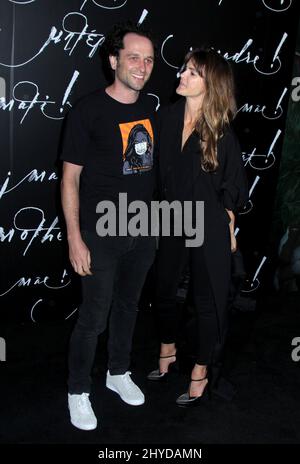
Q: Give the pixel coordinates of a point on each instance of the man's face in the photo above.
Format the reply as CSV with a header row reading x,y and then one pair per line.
x,y
133,66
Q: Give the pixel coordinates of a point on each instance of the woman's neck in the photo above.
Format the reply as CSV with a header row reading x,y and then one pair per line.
x,y
192,110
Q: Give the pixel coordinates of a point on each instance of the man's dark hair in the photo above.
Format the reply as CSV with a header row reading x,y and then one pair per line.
x,y
114,39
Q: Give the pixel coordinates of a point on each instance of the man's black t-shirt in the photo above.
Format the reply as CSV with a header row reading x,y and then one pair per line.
x,y
113,142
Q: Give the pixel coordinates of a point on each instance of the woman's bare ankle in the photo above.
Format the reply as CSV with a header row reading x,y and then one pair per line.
x,y
167,356
199,371
167,349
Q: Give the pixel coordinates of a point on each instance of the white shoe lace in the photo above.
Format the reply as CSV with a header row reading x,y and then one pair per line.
x,y
84,404
130,384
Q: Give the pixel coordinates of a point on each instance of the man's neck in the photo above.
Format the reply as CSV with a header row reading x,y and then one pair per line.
x,y
121,94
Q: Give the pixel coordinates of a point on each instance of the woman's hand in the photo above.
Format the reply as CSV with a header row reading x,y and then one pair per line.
x,y
233,242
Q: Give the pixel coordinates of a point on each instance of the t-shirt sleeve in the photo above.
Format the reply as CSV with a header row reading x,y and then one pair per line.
x,y
76,138
234,185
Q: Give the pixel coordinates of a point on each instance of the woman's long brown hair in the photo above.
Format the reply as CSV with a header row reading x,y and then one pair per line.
x,y
219,105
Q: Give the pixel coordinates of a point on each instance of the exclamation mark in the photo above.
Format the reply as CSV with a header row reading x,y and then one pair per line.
x,y
249,204
3,187
63,276
276,57
69,88
258,270
142,18
280,99
272,145
71,314
253,185
83,4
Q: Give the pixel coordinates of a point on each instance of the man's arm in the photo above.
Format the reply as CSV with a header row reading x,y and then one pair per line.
x,y
79,254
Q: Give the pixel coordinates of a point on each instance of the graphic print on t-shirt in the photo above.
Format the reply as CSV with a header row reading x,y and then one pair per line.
x,y
137,140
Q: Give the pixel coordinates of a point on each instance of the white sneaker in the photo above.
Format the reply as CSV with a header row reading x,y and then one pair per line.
x,y
126,388
81,412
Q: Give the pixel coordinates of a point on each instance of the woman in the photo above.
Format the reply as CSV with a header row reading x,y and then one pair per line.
x,y
138,154
200,160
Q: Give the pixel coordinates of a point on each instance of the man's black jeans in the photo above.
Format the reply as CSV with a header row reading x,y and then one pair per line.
x,y
119,266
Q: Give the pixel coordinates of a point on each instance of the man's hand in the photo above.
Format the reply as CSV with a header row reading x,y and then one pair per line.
x,y
79,254
80,257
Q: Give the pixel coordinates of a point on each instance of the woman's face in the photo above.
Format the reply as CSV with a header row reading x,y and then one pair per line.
x,y
140,144
191,83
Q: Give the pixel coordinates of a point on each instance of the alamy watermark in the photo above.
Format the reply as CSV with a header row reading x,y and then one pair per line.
x,y
159,218
296,91
295,354
2,88
2,349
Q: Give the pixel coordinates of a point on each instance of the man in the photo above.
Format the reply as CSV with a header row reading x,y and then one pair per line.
x,y
95,168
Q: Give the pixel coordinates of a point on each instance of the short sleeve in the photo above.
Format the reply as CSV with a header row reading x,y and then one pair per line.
x,y
234,185
76,138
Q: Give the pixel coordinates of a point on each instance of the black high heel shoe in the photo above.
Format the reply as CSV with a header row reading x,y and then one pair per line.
x,y
186,400
156,375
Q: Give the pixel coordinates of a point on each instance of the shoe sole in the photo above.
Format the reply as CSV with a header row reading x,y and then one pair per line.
x,y
163,377
86,429
132,403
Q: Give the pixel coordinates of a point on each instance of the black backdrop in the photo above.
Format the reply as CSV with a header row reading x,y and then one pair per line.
x,y
49,57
